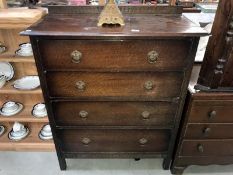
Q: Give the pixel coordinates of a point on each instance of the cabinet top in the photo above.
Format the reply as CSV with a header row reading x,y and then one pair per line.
x,y
137,25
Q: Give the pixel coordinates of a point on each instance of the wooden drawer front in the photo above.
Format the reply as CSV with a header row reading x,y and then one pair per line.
x,y
221,160
207,148
209,131
118,55
108,85
212,111
114,113
114,140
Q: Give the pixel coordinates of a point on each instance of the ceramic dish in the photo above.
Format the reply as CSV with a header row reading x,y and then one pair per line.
x,y
27,83
2,130
46,133
22,53
2,48
39,110
7,70
2,81
19,135
11,108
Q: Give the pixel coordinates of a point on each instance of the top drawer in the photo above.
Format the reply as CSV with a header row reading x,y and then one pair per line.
x,y
137,55
211,111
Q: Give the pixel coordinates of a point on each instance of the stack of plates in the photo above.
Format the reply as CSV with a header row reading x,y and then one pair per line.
x,y
2,130
18,132
11,108
39,110
46,133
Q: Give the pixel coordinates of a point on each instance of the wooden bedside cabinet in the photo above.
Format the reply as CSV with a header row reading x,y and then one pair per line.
x,y
114,92
206,135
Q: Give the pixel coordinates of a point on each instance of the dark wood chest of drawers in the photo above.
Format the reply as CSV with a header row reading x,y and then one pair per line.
x,y
206,132
114,92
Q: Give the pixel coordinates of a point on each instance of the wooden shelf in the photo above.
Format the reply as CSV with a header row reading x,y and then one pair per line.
x,y
31,143
20,17
9,89
16,59
24,116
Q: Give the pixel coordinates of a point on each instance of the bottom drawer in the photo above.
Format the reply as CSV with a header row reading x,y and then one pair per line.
x,y
220,160
113,140
207,148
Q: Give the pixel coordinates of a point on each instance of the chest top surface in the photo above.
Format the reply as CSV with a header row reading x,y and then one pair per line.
x,y
137,25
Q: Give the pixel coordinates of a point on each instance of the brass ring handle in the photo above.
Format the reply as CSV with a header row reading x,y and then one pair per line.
x,y
200,148
152,57
143,141
86,141
149,85
80,85
2,48
145,115
76,56
83,114
206,131
212,114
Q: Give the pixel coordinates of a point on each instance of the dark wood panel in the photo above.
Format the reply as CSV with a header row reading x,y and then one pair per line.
x,y
115,55
210,160
74,113
216,71
125,85
211,111
114,140
142,26
207,148
123,8
209,131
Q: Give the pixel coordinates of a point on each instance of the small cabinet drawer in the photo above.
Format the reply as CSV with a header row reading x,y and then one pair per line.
x,y
209,131
135,86
207,148
138,55
74,113
211,111
114,140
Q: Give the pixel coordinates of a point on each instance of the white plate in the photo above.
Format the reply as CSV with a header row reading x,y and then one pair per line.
x,y
18,138
27,83
39,115
7,70
23,54
2,129
12,113
44,137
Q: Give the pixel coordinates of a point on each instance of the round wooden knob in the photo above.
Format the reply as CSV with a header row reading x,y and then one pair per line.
x,y
80,85
212,114
86,141
83,114
143,141
200,148
152,56
206,131
149,85
76,56
145,115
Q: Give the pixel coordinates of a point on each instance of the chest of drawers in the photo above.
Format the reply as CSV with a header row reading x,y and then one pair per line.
x,y
206,132
114,92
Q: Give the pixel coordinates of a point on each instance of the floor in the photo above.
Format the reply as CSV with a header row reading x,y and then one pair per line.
x,y
21,163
